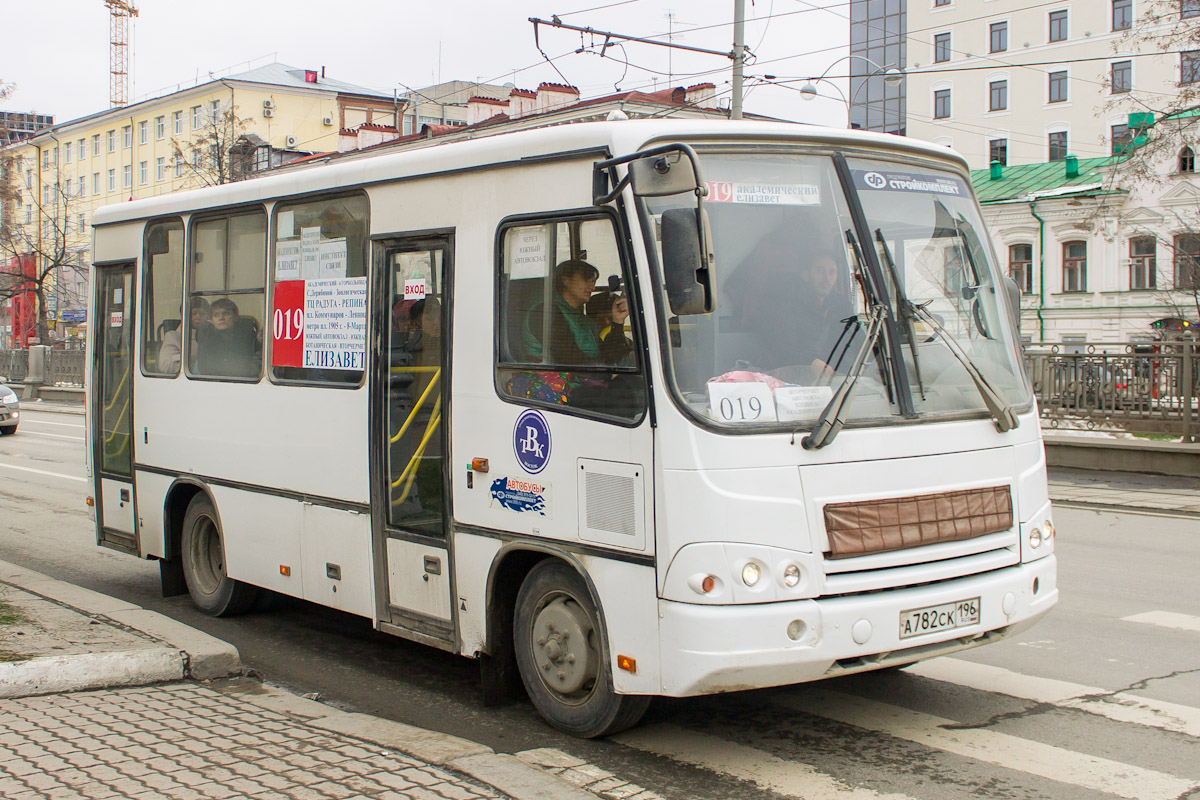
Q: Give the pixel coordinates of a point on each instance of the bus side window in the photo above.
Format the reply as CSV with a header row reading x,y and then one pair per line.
x,y
565,333
162,301
226,279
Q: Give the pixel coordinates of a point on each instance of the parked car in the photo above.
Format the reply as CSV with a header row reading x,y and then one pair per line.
x,y
10,409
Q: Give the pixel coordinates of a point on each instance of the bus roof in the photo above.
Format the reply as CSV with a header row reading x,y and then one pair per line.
x,y
385,164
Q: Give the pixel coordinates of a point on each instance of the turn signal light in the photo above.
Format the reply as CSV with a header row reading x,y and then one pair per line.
x,y
626,663
285,570
90,501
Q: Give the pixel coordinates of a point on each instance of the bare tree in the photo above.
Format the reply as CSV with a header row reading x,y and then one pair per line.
x,y
222,152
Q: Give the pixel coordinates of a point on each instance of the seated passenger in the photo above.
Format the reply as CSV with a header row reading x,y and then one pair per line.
x,y
228,347
575,338
170,351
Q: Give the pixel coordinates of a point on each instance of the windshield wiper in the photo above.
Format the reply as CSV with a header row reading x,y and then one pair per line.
x,y
830,422
1000,409
906,308
876,296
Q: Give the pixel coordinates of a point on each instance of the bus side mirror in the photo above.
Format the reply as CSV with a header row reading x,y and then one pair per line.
x,y
1014,304
662,175
687,261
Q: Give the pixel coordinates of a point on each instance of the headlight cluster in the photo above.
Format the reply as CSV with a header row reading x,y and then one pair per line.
x,y
1040,534
752,573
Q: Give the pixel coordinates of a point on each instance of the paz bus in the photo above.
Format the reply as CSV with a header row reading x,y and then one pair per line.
x,y
620,409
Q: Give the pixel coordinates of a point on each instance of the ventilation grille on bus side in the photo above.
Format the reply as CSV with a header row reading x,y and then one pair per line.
x,y
612,505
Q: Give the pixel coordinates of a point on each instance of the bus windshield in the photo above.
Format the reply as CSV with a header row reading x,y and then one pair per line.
x,y
799,280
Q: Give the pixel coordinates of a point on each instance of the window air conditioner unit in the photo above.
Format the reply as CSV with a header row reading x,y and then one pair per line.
x,y
291,141
268,103
268,113
327,122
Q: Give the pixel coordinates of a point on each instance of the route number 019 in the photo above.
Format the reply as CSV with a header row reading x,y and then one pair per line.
x,y
740,409
288,324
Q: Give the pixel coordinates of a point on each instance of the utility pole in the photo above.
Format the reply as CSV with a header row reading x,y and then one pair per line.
x,y
739,56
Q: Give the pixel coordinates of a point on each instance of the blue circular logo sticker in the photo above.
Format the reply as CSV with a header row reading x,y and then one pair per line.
x,y
531,441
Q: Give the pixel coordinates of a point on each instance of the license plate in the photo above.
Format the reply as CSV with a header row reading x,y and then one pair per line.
x,y
931,619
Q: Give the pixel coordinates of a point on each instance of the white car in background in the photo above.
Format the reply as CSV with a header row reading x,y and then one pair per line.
x,y
10,409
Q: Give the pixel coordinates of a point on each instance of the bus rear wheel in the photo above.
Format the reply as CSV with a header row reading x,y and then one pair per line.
x,y
212,590
562,657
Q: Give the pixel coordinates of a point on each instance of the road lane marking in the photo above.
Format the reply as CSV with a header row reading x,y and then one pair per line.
x,y
1167,619
992,747
1117,706
787,778
51,435
44,472
28,421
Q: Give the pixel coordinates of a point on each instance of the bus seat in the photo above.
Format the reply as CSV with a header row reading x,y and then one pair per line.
x,y
522,296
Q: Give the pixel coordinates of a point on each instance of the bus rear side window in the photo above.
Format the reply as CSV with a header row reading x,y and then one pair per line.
x,y
162,286
228,268
318,330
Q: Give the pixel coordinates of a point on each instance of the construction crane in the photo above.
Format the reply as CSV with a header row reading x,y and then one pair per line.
x,y
119,13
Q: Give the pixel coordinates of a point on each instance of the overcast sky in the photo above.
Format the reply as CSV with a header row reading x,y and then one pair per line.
x,y
56,51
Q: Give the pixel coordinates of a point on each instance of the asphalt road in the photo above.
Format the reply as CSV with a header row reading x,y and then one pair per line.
x,y
1088,704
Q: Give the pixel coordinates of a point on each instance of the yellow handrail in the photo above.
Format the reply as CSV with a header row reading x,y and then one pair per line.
x,y
117,393
420,401
410,471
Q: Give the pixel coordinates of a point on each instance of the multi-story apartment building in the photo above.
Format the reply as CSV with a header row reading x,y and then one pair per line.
x,y
16,125
1020,82
220,130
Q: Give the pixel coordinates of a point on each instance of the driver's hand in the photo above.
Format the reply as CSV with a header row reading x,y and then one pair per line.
x,y
620,311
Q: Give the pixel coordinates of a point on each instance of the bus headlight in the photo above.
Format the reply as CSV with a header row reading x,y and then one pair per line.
x,y
751,573
1035,537
1048,531
791,575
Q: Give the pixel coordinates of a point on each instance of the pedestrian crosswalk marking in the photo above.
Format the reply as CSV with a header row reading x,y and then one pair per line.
x,y
1117,706
1167,619
993,747
786,778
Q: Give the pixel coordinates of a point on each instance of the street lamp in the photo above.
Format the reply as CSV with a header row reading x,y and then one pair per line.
x,y
890,74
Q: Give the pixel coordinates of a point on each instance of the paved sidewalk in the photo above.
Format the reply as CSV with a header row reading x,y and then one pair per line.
x,y
1155,494
102,699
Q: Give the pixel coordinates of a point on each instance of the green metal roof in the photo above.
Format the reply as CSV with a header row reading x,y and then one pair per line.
x,y
1021,180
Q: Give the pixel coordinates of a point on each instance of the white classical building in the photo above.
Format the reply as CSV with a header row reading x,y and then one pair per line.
x,y
1023,82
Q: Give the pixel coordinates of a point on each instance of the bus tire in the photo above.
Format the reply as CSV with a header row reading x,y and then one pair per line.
x,y
562,656
212,590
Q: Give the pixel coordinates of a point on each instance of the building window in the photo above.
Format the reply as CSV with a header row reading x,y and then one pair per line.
x,y
68,151
1122,15
160,169
1189,66
112,141
82,223
143,172
1074,266
82,185
1120,139
82,148
46,159
197,118
998,151
127,136
144,132
95,183
1058,26
998,37
1187,261
160,128
1020,266
127,176
177,121
1058,145
997,95
941,104
1142,258
1187,159
1122,77
941,47
939,3
197,159
1058,87
1189,8
95,144
112,180
178,167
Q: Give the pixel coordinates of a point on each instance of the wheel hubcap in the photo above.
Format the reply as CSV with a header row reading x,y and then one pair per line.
x,y
208,556
562,647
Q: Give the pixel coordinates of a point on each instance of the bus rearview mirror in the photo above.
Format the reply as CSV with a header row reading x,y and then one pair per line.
x,y
687,261
662,175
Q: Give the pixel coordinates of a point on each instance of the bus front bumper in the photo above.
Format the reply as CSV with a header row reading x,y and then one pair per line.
x,y
708,649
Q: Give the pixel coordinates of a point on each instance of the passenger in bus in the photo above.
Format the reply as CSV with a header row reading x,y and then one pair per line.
x,y
229,347
575,338
821,320
170,351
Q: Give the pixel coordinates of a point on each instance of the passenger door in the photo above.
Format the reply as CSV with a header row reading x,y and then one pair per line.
x,y
410,478
112,408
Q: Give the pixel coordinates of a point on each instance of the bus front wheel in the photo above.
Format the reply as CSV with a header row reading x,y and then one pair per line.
x,y
212,590
562,658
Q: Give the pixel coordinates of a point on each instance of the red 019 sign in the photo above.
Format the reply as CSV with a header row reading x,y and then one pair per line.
x,y
287,325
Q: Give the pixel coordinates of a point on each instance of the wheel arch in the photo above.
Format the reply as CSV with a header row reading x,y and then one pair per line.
x,y
179,496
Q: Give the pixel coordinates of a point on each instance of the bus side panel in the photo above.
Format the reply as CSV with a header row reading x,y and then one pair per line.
x,y
261,533
473,557
151,498
628,597
336,548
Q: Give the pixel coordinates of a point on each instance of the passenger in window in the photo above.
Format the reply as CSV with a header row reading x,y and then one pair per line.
x,y
170,352
821,321
575,337
229,347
